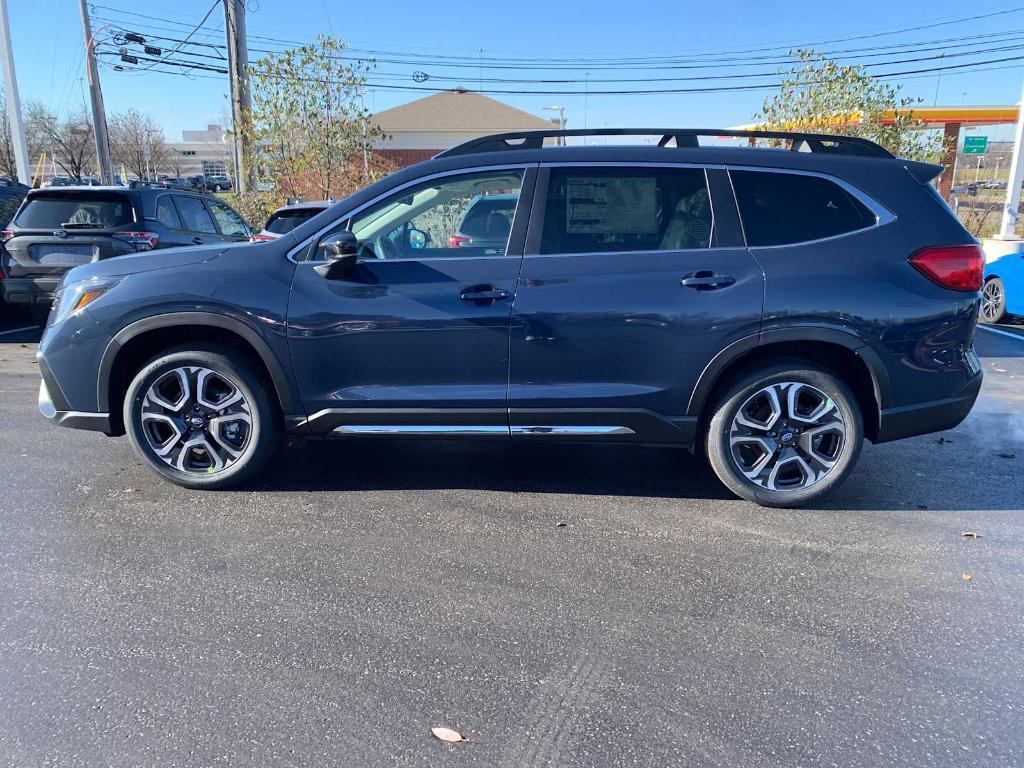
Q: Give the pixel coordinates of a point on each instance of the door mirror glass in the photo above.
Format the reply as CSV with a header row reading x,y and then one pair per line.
x,y
417,239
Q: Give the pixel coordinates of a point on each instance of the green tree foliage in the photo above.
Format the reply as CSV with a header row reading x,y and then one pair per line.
x,y
308,120
819,95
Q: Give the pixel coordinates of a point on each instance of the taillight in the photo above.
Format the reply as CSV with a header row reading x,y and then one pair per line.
x,y
458,241
6,235
957,267
261,238
143,241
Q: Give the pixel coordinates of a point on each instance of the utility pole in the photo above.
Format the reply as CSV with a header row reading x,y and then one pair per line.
x,y
241,107
13,103
99,116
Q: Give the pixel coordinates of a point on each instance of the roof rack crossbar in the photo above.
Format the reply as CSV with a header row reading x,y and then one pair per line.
x,y
682,138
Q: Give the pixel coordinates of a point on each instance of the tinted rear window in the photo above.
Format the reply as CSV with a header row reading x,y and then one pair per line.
x,y
285,221
785,208
89,211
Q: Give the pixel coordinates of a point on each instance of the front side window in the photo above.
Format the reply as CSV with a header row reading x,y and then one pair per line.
x,y
602,210
194,215
787,208
454,216
230,223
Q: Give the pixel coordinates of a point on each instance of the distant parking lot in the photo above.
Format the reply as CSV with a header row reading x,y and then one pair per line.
x,y
569,606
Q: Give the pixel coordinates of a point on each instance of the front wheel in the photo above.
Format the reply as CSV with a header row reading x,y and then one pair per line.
x,y
201,417
785,436
993,301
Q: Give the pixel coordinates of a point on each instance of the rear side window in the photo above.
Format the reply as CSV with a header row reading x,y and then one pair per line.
x,y
89,211
786,208
603,210
283,222
166,214
194,215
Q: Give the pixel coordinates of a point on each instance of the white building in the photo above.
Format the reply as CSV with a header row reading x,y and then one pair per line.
x,y
206,151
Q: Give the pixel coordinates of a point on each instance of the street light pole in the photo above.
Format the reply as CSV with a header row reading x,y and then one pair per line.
x,y
13,103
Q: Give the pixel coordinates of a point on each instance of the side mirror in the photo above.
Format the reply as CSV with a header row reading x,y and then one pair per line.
x,y
339,252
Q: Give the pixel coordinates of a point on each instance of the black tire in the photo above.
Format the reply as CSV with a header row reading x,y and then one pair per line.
x,y
262,434
721,455
993,302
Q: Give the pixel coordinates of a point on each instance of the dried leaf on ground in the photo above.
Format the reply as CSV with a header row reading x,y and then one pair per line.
x,y
448,735
1007,455
967,577
970,534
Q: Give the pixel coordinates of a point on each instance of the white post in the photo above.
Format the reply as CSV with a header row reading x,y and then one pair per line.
x,y
13,103
1009,225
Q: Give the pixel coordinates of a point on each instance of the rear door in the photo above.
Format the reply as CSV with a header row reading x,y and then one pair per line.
x,y
60,229
634,278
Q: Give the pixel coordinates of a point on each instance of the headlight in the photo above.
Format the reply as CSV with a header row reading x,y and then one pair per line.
x,y
75,296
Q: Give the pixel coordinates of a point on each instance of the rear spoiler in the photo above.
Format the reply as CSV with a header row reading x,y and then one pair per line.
x,y
923,172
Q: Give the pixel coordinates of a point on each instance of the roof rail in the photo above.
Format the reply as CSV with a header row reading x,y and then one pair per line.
x,y
683,137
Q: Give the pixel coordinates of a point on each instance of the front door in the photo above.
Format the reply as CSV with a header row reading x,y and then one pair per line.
x,y
414,338
634,279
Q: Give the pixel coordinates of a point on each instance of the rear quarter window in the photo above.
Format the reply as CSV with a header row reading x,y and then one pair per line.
x,y
90,211
789,208
285,221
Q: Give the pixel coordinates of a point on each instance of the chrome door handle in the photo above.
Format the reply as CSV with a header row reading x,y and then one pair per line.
x,y
705,279
485,293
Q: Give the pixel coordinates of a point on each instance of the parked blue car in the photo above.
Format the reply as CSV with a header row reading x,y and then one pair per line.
x,y
1003,292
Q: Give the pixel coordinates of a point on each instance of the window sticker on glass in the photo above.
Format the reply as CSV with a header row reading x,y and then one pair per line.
x,y
607,204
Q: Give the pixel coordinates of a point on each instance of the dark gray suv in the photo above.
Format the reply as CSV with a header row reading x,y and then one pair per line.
x,y
56,229
771,307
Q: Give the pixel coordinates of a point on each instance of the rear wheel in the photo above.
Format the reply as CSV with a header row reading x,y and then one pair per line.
x,y
785,436
201,417
993,301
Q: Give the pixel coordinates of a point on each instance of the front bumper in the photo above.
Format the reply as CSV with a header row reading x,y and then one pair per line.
x,y
29,290
55,410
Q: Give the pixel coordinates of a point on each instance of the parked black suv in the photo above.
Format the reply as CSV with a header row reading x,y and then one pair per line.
x,y
772,307
56,229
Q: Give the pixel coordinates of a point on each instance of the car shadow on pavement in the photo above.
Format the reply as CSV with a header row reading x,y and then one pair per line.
x,y
397,464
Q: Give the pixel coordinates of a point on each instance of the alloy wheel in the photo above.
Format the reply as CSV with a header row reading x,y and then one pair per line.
x,y
992,301
196,420
787,436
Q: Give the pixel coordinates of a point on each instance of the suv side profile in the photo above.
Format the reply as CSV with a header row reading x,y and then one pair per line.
x,y
773,307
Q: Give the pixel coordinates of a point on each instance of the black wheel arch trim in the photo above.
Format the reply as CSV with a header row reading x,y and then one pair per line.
x,y
734,351
282,386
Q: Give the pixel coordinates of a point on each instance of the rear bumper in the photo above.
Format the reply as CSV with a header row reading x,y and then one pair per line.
x,y
933,416
29,290
54,408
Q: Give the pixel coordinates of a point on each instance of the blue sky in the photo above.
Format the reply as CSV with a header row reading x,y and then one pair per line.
x,y
47,39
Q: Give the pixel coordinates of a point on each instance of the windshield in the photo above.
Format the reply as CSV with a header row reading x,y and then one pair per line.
x,y
89,211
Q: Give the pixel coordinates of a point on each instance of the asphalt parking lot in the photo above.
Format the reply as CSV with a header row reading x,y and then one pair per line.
x,y
565,606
